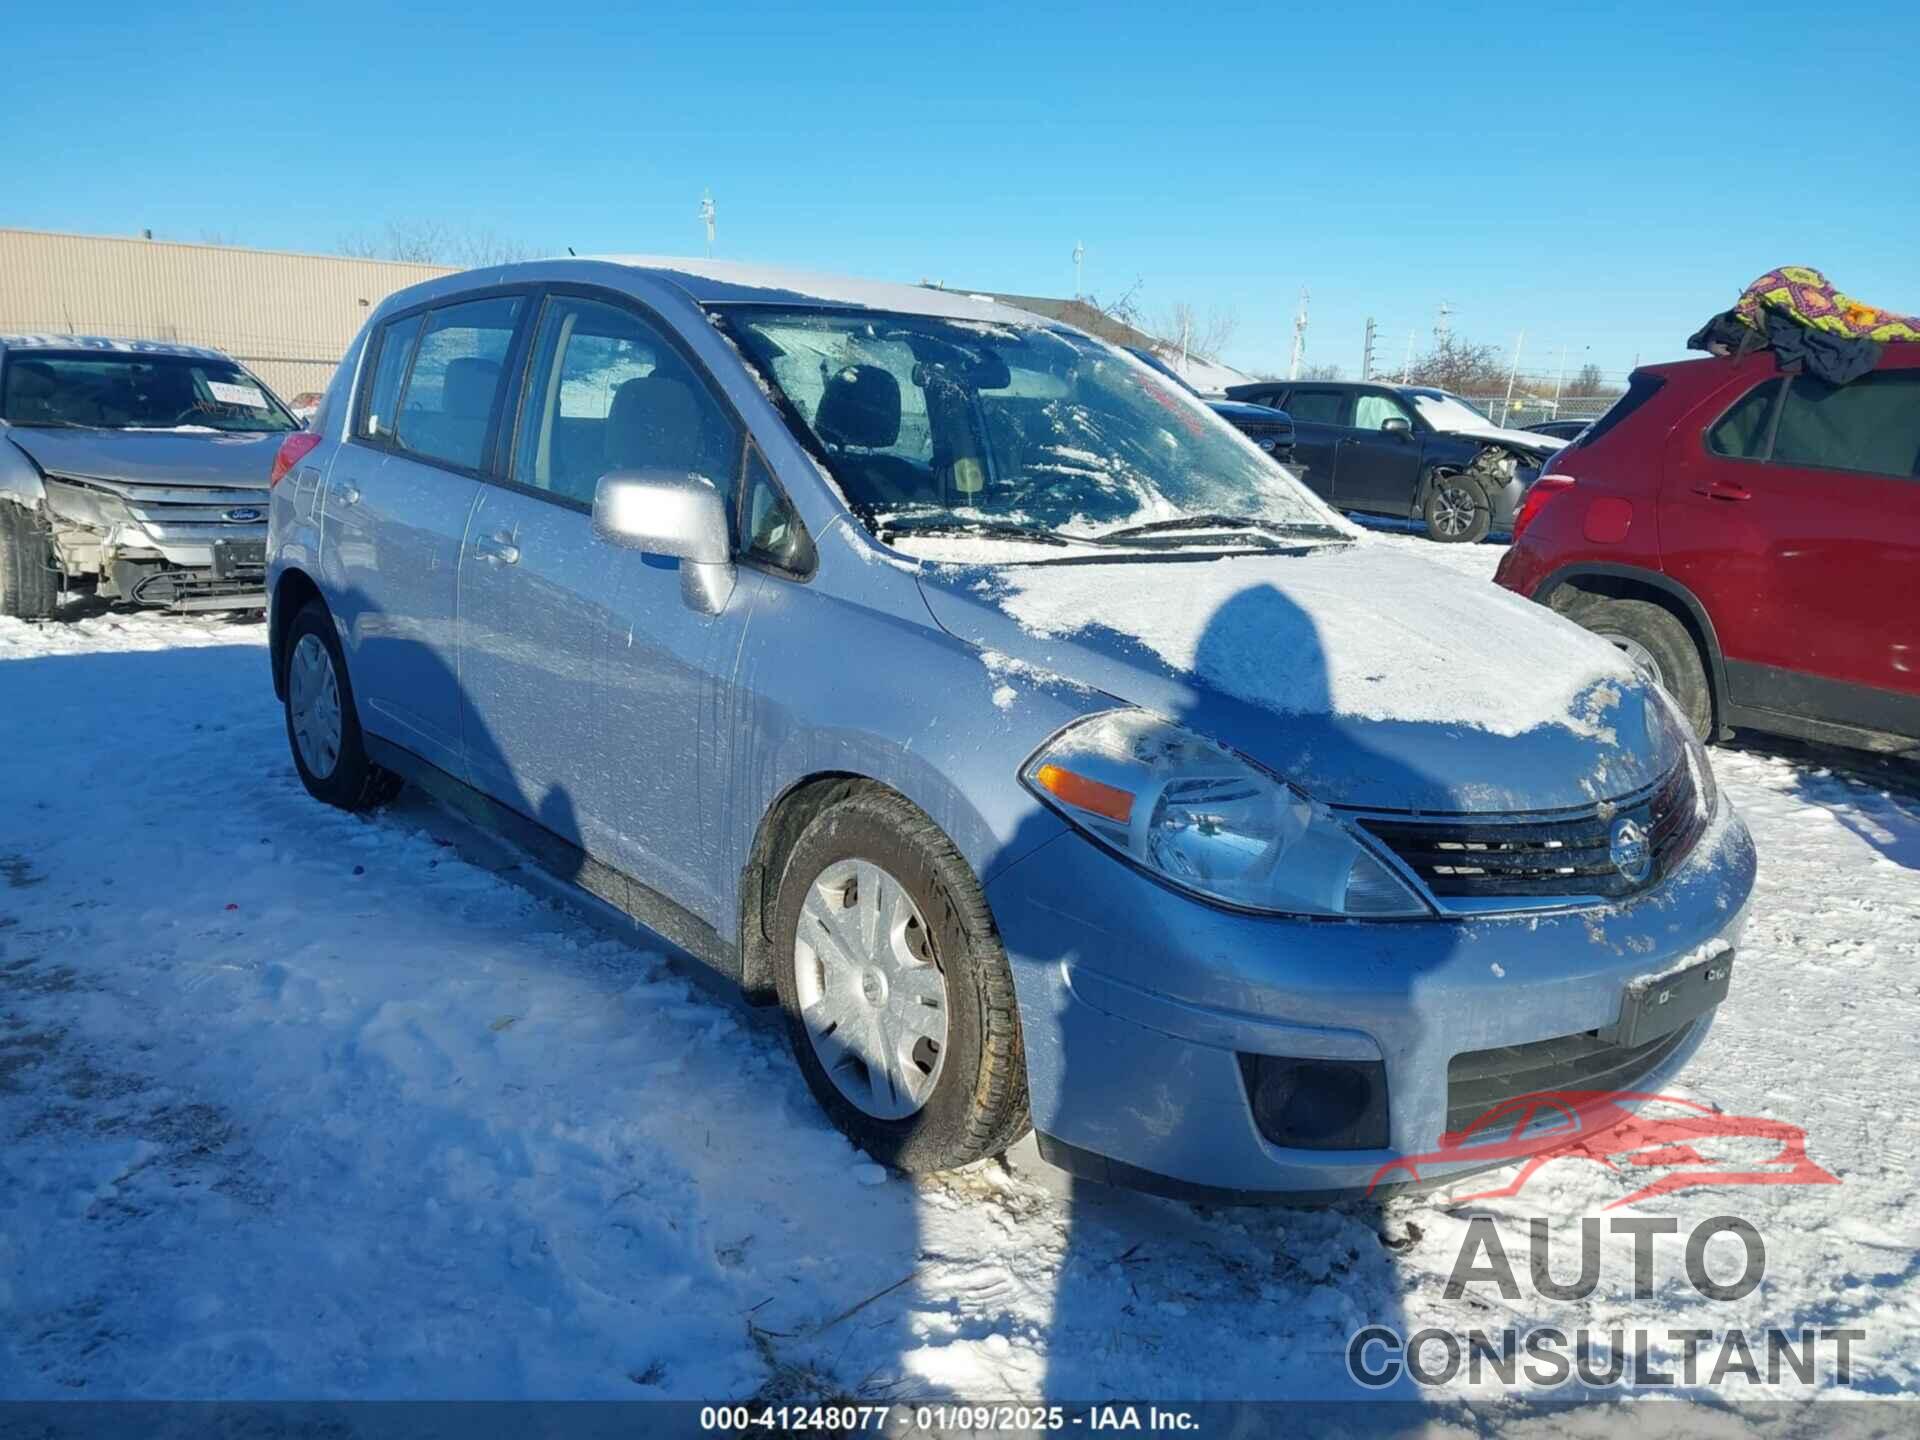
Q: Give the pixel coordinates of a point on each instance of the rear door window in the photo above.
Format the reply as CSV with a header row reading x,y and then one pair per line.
x,y
1318,407
1870,425
453,389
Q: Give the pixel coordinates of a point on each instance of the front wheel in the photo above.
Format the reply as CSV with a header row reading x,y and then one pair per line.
x,y
1456,510
899,1000
29,589
1657,645
323,727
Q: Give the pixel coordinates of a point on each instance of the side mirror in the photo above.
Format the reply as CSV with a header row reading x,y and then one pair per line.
x,y
1397,425
659,512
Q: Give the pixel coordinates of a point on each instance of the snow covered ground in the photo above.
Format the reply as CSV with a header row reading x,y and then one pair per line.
x,y
299,1104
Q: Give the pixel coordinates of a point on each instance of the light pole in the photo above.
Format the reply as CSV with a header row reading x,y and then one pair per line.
x,y
1079,254
708,216
1299,335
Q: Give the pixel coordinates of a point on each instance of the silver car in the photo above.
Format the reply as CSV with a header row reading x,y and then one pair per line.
x,y
135,469
952,680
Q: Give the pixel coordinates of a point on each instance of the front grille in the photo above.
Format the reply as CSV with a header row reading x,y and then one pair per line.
x,y
1565,856
1480,1079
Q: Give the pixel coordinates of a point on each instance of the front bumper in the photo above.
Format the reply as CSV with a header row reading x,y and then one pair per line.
x,y
1505,501
1138,1003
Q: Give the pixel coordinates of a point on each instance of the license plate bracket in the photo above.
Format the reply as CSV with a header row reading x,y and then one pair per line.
x,y
1659,1005
233,559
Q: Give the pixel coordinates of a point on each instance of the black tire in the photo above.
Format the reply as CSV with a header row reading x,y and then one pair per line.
x,y
355,782
1675,659
1448,495
979,1105
29,589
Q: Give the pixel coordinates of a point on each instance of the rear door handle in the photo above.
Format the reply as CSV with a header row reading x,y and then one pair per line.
x,y
1724,490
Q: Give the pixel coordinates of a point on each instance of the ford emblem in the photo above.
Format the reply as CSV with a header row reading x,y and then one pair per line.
x,y
1630,850
243,515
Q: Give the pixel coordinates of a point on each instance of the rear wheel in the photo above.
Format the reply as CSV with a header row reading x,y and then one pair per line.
x,y
1456,510
29,589
1658,646
899,1000
323,728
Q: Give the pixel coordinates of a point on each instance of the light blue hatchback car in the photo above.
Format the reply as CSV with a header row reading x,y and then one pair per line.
x,y
1045,750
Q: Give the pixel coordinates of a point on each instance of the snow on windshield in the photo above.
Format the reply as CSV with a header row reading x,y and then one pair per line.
x,y
981,427
1449,412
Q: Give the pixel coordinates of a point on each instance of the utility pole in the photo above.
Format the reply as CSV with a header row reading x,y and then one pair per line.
x,y
1299,335
708,215
1186,333
1406,366
1560,380
1079,254
1513,374
1366,353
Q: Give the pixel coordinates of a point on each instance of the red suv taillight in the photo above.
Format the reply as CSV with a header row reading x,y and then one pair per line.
x,y
1538,495
293,450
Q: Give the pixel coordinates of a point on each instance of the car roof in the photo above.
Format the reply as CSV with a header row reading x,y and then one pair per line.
x,y
107,344
733,282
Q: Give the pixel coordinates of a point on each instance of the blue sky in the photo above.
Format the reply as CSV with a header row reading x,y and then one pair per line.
x,y
1603,177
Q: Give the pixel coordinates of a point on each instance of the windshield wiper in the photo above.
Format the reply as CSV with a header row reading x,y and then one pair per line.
x,y
954,525
1220,522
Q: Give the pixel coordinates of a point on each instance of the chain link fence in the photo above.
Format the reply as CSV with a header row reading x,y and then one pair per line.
x,y
1524,410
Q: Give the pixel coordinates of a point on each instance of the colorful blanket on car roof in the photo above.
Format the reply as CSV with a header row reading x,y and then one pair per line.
x,y
1809,297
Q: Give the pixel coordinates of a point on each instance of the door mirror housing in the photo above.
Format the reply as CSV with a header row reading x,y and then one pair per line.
x,y
681,516
1397,425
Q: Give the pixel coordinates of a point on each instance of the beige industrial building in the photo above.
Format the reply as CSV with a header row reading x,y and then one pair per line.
x,y
286,317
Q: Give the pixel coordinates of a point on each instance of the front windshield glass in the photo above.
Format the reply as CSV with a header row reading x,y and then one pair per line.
x,y
135,391
1448,412
929,423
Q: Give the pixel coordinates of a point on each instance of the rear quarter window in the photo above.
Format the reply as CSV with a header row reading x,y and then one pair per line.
x,y
1640,389
1741,433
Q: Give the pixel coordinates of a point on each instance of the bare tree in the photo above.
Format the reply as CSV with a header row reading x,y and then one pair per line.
x,y
1461,366
1182,331
432,242
1588,381
1322,372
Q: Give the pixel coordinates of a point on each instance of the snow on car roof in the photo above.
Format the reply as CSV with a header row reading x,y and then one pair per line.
x,y
720,282
106,343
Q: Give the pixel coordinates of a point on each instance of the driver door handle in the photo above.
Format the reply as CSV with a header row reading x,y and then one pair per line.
x,y
500,549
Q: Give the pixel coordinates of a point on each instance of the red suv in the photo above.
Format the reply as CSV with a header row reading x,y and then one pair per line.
x,y
1751,539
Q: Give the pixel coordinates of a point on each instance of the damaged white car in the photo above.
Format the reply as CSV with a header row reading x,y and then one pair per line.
x,y
133,469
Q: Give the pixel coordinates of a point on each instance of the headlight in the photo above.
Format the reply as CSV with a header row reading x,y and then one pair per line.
x,y
1706,786
1200,817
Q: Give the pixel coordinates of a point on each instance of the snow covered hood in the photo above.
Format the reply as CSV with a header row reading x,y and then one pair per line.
x,y
1367,676
1526,439
152,457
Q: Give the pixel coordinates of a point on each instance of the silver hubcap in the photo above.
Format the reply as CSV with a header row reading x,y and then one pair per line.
x,y
871,995
1453,508
1637,655
313,702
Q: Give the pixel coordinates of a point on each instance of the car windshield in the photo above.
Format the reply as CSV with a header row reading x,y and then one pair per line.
x,y
1448,412
136,391
957,426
